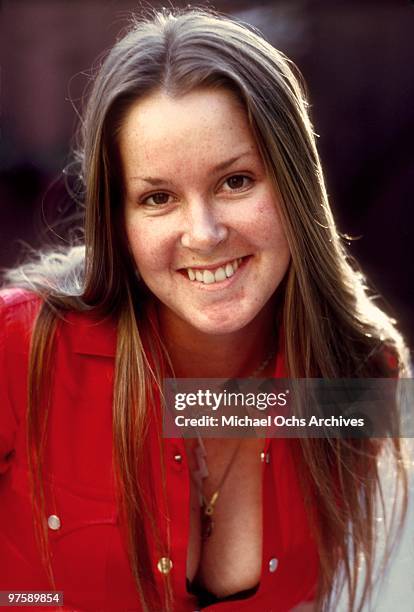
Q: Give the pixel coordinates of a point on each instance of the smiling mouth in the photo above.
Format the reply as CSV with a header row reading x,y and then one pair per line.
x,y
215,275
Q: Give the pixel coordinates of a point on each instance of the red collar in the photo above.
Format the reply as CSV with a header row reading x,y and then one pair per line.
x,y
92,335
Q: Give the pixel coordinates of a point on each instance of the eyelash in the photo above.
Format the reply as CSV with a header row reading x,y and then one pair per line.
x,y
242,176
249,180
144,201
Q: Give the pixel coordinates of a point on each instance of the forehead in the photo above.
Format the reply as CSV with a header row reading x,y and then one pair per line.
x,y
197,128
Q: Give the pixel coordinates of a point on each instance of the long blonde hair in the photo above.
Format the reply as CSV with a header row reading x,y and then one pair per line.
x,y
331,324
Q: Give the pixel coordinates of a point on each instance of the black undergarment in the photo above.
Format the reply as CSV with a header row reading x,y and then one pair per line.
x,y
205,598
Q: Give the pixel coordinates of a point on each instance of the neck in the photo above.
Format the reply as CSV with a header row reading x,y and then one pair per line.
x,y
195,354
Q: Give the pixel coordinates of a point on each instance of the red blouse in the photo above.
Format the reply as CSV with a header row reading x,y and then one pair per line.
x,y
89,559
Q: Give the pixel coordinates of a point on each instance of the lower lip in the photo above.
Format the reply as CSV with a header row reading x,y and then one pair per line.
x,y
221,284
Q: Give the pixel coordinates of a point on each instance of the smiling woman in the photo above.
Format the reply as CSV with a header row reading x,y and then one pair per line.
x,y
210,251
209,242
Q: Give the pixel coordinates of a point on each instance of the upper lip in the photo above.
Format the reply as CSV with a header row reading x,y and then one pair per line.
x,y
212,266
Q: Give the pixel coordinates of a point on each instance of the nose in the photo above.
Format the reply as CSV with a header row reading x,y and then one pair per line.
x,y
203,231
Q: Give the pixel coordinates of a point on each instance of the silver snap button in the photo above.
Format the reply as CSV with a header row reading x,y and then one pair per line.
x,y
273,563
178,458
265,457
53,522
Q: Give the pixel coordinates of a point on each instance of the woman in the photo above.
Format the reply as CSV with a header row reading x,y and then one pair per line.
x,y
207,233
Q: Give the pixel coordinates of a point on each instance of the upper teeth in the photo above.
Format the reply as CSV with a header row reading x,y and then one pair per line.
x,y
214,276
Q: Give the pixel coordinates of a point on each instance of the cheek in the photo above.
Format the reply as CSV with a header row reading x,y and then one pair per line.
x,y
150,247
266,226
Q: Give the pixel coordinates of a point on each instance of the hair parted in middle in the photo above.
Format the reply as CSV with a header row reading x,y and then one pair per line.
x,y
180,53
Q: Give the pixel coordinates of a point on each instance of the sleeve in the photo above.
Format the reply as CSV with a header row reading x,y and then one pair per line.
x,y
8,420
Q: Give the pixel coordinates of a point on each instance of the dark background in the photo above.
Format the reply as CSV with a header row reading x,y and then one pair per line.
x,y
357,59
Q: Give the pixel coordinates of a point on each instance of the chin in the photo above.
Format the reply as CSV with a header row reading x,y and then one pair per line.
x,y
219,327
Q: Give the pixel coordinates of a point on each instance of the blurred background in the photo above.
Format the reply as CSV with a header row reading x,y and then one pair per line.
x,y
357,60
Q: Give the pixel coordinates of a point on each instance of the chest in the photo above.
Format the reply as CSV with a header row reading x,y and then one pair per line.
x,y
226,514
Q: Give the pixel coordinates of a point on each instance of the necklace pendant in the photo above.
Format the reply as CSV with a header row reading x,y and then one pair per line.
x,y
207,525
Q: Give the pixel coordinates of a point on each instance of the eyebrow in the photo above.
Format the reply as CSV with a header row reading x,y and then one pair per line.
x,y
218,168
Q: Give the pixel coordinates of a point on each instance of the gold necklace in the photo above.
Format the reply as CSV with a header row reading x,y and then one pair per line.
x,y
207,506
270,356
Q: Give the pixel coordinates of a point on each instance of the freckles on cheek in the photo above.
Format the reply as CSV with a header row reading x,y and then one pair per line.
x,y
265,222
136,242
263,233
149,251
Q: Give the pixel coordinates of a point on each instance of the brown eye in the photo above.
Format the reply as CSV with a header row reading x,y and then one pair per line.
x,y
237,182
157,199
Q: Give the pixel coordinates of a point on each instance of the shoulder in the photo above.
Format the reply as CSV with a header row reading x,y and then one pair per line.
x,y
85,331
12,298
18,311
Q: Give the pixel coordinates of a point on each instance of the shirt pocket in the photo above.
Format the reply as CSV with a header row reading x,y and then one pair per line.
x,y
88,555
83,535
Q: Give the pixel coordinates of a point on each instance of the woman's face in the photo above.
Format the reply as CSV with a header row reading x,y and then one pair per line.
x,y
201,214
